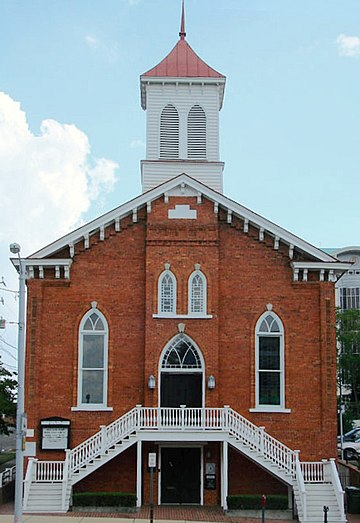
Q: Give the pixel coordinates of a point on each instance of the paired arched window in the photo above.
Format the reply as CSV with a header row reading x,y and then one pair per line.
x,y
196,132
270,389
93,360
167,293
169,133
197,293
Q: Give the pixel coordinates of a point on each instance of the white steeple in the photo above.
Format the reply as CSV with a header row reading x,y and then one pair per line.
x,y
182,96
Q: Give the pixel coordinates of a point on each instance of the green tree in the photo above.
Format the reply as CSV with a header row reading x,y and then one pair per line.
x,y
8,388
348,336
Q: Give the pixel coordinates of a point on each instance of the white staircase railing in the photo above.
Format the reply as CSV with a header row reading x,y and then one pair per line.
x,y
335,480
107,437
313,471
173,419
258,440
299,478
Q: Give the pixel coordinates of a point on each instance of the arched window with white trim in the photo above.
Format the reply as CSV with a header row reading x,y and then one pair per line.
x,y
182,374
197,293
93,360
270,386
196,132
169,133
167,293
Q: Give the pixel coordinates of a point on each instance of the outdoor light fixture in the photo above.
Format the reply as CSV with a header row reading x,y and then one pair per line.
x,y
20,414
211,382
151,382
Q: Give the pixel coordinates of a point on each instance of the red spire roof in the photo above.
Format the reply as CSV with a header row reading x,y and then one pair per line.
x,y
182,61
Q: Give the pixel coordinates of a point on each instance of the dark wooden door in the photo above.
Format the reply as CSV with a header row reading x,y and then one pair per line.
x,y
181,389
180,475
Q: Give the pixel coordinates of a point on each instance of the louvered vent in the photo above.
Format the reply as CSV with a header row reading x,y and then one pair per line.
x,y
196,132
169,133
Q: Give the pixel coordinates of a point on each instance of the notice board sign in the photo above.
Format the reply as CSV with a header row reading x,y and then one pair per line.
x,y
54,433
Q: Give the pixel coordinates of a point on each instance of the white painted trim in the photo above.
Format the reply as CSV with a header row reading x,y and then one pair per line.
x,y
195,273
167,272
226,203
93,407
183,316
224,474
281,372
182,371
138,473
317,266
271,409
105,334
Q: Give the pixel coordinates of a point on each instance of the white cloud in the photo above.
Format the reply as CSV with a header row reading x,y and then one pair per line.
x,y
136,144
348,45
91,41
110,50
134,2
47,181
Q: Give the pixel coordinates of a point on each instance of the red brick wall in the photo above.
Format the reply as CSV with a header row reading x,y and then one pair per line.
x,y
243,276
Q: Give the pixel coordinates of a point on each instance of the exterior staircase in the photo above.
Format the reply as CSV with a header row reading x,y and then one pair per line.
x,y
48,484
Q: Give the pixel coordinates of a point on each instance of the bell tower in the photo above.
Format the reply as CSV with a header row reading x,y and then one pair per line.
x,y
182,97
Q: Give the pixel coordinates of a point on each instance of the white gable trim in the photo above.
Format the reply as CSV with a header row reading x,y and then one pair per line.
x,y
229,205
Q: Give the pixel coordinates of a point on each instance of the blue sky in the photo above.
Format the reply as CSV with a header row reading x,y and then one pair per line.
x,y
72,131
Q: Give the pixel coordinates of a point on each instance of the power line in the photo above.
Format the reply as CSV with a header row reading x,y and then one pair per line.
x,y
9,353
9,344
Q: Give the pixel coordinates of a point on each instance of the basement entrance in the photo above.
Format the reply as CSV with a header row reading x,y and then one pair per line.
x,y
180,475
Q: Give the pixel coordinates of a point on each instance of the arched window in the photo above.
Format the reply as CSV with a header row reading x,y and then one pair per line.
x,y
270,389
197,293
196,131
93,356
167,293
169,133
181,354
181,371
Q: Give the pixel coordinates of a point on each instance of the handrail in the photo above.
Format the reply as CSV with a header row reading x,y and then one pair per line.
x,y
7,475
313,471
103,440
181,418
301,486
258,440
335,480
49,471
29,476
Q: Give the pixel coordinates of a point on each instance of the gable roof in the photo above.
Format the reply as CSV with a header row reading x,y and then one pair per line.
x,y
184,181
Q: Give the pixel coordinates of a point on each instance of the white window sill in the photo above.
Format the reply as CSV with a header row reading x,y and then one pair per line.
x,y
184,316
87,408
280,410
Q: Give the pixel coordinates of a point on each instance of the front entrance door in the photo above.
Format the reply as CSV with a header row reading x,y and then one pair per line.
x,y
181,389
180,475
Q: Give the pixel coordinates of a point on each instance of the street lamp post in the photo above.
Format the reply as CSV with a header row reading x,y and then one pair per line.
x,y
20,414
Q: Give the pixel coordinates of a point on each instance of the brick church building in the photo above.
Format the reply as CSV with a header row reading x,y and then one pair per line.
x,y
182,324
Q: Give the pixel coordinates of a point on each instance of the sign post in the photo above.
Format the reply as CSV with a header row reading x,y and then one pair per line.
x,y
152,466
263,505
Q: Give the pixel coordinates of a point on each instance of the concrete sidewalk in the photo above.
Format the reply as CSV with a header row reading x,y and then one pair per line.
x,y
33,518
113,518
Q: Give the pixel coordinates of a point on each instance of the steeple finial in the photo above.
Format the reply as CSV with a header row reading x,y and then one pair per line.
x,y
182,33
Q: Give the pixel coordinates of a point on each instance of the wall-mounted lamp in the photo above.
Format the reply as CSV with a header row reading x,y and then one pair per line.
x,y
151,382
211,382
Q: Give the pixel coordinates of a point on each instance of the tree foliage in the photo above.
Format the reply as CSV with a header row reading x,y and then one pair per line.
x,y
348,336
8,388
